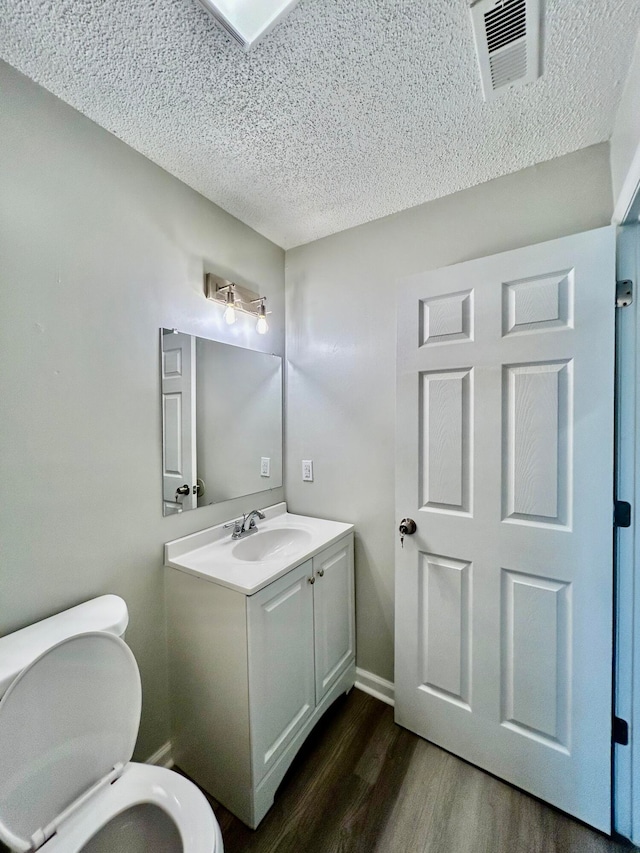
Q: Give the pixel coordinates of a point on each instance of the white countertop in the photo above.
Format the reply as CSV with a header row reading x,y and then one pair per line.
x,y
210,555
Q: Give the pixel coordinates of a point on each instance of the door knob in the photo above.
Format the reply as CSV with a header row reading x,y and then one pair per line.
x,y
407,528
183,490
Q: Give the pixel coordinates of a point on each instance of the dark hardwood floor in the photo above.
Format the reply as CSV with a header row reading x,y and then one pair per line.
x,y
362,784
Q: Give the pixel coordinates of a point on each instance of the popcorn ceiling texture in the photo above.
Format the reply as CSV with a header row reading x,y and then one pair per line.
x,y
346,112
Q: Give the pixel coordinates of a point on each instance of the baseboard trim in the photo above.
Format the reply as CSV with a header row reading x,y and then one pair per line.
x,y
372,684
162,757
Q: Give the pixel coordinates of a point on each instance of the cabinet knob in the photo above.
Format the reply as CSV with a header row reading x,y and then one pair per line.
x,y
311,579
320,573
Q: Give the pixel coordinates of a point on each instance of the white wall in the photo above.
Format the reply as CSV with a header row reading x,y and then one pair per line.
x,y
341,343
99,248
625,142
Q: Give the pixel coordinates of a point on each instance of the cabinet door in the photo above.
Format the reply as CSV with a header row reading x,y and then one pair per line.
x,y
281,689
333,599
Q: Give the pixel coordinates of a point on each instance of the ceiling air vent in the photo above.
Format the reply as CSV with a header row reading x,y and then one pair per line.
x,y
507,36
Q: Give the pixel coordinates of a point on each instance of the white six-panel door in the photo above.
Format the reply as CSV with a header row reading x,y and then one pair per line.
x,y
504,460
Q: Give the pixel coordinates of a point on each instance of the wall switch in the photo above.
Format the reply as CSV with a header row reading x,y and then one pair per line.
x,y
265,466
307,470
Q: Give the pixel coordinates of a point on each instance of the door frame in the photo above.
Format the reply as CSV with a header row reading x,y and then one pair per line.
x,y
626,772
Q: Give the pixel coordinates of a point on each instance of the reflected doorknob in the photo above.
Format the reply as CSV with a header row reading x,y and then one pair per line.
x,y
183,490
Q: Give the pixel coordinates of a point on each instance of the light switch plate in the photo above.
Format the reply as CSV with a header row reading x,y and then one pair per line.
x,y
307,470
265,466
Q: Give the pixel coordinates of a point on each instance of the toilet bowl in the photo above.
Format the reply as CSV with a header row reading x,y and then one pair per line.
x,y
147,809
68,725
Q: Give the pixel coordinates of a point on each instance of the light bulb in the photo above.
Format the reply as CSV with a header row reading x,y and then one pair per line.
x,y
230,311
262,326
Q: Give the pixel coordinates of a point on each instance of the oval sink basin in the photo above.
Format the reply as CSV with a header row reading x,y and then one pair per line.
x,y
271,544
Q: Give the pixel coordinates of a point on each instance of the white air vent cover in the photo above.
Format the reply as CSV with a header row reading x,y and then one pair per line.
x,y
507,36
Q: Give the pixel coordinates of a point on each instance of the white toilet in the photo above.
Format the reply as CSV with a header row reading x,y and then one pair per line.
x,y
69,716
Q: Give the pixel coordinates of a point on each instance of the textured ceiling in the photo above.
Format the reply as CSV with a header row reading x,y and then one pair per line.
x,y
346,112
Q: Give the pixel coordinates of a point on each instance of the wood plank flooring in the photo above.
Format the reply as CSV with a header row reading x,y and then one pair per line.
x,y
361,784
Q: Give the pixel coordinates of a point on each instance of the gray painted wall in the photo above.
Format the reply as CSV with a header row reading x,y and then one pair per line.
x,y
99,248
341,348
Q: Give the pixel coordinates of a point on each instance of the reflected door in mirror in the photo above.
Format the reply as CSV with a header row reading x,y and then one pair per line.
x,y
178,422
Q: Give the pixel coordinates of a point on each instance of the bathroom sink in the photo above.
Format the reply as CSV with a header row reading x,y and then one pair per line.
x,y
271,544
283,540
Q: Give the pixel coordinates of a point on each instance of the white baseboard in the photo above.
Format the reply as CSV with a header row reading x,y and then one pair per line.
x,y
162,757
375,686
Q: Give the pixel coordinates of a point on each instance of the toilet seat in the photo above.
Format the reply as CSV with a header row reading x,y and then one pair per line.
x,y
68,725
185,804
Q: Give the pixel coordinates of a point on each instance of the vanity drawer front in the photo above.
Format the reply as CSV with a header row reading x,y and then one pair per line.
x,y
281,684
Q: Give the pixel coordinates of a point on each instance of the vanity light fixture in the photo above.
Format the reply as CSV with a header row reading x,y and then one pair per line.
x,y
247,21
236,298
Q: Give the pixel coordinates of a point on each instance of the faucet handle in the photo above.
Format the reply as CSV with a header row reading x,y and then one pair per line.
x,y
237,525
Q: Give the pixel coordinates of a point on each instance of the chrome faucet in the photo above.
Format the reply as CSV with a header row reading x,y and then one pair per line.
x,y
247,525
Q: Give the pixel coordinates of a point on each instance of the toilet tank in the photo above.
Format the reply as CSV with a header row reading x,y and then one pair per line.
x,y
107,613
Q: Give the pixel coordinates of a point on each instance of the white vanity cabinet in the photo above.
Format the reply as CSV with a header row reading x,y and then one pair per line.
x,y
250,675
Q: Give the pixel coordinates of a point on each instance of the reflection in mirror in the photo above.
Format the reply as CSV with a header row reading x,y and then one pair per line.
x,y
221,421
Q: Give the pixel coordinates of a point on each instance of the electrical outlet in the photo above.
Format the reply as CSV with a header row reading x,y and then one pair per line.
x,y
265,466
307,470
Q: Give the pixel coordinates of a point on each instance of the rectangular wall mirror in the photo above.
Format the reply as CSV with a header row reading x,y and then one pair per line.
x,y
221,421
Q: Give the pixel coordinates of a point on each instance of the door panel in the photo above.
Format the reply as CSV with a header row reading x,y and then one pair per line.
x,y
535,629
537,400
445,643
280,628
504,460
445,440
